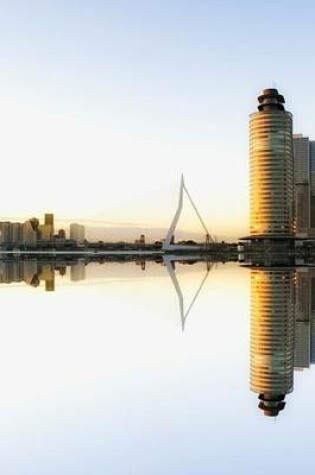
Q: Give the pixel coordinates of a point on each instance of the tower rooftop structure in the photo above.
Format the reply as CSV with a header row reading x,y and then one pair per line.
x,y
270,99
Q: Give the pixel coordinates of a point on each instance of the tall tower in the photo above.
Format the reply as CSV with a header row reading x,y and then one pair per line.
x,y
272,336
271,168
49,221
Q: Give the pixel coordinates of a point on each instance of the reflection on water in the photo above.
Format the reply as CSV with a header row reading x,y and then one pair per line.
x,y
106,363
282,331
305,318
282,336
184,312
272,336
31,271
35,271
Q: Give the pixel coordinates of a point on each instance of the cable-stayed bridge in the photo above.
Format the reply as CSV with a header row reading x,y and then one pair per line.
x,y
168,244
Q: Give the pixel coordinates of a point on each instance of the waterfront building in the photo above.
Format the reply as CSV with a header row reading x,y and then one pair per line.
x,y
17,233
44,232
304,182
272,336
49,221
61,234
5,232
271,168
34,223
77,232
29,235
302,209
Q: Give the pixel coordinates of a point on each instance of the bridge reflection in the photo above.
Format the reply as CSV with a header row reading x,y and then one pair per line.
x,y
282,335
170,265
35,270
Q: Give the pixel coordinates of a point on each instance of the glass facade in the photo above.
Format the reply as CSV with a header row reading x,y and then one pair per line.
x,y
301,159
271,173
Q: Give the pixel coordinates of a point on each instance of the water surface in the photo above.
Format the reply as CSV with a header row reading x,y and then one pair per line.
x,y
98,376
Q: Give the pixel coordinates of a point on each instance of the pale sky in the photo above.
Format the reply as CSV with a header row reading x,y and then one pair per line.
x,y
104,104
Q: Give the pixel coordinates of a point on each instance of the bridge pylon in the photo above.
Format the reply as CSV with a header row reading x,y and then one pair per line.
x,y
168,243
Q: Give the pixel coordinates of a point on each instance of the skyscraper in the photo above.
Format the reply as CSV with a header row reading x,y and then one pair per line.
x,y
271,168
49,221
304,182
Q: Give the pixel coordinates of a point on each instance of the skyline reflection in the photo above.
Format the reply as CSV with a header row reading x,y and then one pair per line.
x,y
272,336
282,331
282,308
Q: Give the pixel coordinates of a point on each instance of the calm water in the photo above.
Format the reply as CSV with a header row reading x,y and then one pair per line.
x,y
98,376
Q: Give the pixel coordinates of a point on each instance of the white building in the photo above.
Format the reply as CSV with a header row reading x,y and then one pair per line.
x,y
77,232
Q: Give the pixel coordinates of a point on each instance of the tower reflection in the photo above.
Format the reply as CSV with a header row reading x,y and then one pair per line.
x,y
272,336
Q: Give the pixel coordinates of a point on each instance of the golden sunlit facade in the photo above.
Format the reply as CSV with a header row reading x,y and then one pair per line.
x,y
272,336
271,168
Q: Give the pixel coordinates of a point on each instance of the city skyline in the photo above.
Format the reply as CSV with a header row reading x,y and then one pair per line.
x,y
281,302
29,231
157,236
32,232
106,105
